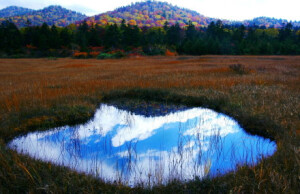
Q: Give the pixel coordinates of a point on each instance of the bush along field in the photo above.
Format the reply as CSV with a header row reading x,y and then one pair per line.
x,y
260,92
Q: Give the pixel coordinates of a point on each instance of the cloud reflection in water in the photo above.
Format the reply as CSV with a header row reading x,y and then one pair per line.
x,y
117,145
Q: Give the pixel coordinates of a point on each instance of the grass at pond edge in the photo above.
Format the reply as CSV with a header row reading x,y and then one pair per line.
x,y
253,124
22,174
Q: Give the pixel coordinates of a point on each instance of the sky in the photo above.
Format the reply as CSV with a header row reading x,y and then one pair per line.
x,y
222,9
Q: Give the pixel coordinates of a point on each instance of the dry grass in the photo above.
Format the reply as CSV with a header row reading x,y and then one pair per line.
x,y
26,83
31,88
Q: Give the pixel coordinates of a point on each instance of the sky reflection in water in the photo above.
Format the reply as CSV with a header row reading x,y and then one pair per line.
x,y
117,145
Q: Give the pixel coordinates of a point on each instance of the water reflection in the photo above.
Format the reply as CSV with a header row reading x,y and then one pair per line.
x,y
117,145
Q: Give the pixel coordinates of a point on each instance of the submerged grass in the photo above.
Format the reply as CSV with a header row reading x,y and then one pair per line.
x,y
37,94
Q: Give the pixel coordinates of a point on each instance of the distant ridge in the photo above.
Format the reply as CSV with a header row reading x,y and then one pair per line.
x,y
269,22
52,15
151,14
145,13
14,11
156,13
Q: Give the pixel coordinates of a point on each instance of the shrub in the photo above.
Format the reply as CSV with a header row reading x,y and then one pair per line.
x,y
135,52
119,54
154,50
239,69
94,54
80,55
104,56
112,55
170,53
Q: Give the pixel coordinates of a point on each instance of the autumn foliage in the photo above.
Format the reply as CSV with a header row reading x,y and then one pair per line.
x,y
217,38
52,15
169,53
80,54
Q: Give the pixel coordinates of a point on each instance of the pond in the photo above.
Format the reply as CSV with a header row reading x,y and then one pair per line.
x,y
133,148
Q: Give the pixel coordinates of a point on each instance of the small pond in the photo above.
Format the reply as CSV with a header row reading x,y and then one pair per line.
x,y
135,148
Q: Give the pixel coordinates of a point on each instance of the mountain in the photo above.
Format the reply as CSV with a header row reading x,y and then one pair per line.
x,y
147,13
154,13
269,22
151,13
14,11
56,15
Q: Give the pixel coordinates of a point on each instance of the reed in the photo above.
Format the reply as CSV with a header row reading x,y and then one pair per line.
x,y
37,94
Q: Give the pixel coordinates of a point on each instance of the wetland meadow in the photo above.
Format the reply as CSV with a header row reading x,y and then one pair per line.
x,y
160,124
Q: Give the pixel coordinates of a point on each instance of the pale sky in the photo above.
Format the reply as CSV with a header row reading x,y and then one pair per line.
x,y
222,9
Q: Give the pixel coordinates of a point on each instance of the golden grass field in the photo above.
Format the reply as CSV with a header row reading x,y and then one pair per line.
x,y
30,88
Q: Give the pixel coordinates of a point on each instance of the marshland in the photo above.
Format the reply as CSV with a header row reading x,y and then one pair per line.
x,y
261,93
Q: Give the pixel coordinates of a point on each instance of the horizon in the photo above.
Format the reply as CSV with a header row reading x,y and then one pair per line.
x,y
88,8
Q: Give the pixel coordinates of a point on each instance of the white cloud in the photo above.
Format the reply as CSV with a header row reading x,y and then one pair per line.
x,y
201,145
137,127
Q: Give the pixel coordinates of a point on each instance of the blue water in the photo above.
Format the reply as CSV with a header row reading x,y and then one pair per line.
x,y
118,145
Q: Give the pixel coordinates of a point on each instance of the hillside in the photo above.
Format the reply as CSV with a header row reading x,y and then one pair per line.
x,y
56,15
269,22
14,11
155,13
146,13
151,13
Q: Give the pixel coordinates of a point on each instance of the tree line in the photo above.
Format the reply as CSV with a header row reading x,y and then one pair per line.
x,y
41,41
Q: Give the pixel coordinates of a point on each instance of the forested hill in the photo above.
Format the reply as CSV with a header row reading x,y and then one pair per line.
x,y
269,22
150,14
56,15
155,13
146,13
14,11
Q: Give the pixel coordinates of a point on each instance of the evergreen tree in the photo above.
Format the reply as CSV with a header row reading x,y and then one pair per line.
x,y
65,37
286,32
82,36
215,39
174,36
11,38
44,37
112,36
191,31
54,38
95,36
